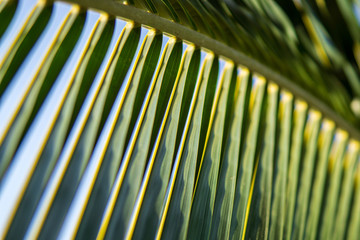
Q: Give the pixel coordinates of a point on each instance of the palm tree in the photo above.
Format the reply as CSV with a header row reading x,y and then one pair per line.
x,y
179,119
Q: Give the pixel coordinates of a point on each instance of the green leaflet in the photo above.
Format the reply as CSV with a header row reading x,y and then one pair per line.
x,y
133,97
351,162
25,40
118,64
137,153
7,11
225,194
331,194
57,56
205,190
354,222
127,44
282,154
307,169
113,150
81,80
88,136
153,188
259,214
247,160
325,140
175,218
41,83
135,94
300,115
83,77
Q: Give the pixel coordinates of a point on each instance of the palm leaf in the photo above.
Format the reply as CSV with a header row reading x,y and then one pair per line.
x,y
179,119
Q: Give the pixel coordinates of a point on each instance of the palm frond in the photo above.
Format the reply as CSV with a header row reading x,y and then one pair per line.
x,y
118,123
